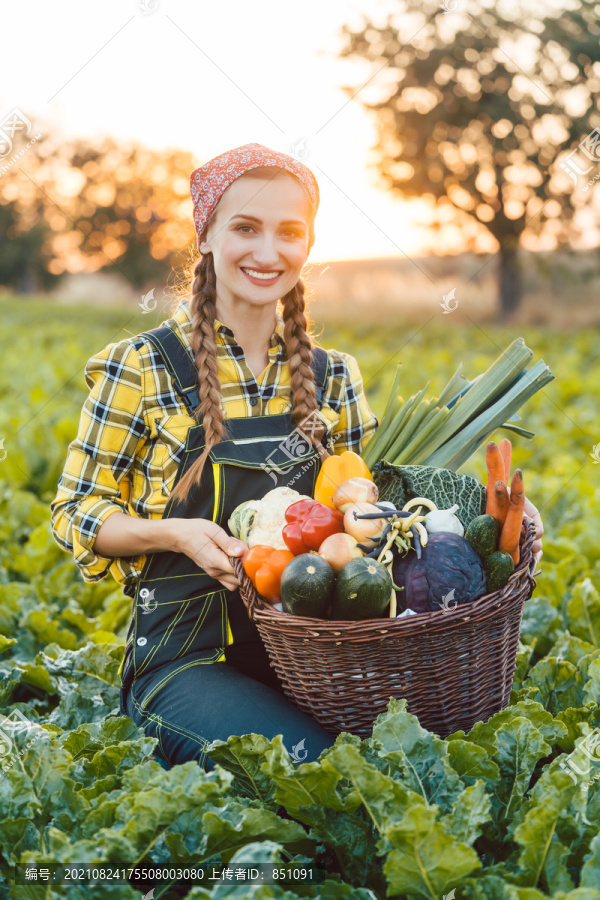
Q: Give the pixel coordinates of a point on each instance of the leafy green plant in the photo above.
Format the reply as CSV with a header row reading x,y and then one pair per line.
x,y
492,814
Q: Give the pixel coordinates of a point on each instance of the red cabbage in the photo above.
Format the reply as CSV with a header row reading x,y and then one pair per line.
x,y
449,568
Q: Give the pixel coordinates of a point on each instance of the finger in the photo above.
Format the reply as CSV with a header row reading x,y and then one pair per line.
x,y
531,512
229,545
219,562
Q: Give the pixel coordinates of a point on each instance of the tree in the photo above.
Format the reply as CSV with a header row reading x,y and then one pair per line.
x,y
477,110
82,207
22,266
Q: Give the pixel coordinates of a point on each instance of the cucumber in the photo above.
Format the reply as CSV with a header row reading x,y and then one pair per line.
x,y
307,584
482,534
498,566
362,591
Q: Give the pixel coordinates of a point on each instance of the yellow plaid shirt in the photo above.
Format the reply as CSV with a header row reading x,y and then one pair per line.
x,y
133,428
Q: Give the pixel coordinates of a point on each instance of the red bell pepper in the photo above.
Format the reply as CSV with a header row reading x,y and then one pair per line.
x,y
309,523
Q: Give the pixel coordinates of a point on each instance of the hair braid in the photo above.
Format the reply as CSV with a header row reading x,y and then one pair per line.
x,y
299,352
209,411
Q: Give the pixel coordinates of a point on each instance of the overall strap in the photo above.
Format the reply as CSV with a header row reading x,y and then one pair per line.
x,y
178,362
185,373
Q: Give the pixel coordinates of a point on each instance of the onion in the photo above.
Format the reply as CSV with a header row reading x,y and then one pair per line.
x,y
366,531
355,490
339,549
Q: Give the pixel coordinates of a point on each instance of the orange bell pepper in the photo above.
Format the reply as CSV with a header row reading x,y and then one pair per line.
x,y
264,567
335,470
255,558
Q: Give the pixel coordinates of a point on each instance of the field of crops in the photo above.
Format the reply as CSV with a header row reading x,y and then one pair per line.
x,y
509,811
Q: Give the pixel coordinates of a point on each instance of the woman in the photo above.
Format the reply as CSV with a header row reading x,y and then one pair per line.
x,y
191,412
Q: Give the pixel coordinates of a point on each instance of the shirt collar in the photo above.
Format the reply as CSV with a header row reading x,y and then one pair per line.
x,y
184,320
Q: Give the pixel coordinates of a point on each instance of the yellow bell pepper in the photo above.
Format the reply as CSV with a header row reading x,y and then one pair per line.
x,y
334,471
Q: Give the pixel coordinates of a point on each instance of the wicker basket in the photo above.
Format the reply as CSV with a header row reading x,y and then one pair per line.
x,y
454,667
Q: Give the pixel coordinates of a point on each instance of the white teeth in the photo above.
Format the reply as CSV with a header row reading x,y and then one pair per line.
x,y
263,275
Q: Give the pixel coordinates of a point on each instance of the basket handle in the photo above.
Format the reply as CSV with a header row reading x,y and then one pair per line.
x,y
250,595
528,540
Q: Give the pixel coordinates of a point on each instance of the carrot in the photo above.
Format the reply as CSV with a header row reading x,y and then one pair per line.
x,y
502,501
511,530
505,447
495,472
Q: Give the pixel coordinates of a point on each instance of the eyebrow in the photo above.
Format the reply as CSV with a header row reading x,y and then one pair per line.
x,y
254,219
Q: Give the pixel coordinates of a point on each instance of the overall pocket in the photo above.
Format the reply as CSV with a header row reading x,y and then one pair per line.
x,y
170,629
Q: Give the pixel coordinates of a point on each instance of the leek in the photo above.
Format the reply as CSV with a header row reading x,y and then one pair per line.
x,y
446,430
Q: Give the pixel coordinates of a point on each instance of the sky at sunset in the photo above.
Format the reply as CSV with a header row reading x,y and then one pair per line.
x,y
210,77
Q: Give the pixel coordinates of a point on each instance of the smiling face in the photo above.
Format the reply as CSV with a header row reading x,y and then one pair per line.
x,y
261,226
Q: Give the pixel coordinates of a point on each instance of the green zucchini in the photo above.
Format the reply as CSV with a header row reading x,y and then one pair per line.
x,y
482,534
498,566
363,590
307,584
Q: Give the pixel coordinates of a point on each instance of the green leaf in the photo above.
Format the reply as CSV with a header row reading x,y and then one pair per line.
x,y
423,858
472,762
39,677
524,654
420,757
304,785
557,684
6,643
592,686
470,810
399,484
542,858
579,721
93,669
516,744
590,871
583,612
244,756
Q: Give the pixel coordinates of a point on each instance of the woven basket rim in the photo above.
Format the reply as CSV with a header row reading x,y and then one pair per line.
x,y
478,609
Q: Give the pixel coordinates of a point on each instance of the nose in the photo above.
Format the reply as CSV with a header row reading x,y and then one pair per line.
x,y
265,252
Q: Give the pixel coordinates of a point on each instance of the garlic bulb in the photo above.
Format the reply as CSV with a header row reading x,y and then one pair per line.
x,y
444,520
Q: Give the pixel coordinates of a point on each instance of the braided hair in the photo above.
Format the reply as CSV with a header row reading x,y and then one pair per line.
x,y
298,343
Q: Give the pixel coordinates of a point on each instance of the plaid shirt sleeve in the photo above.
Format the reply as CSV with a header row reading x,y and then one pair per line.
x,y
111,428
345,396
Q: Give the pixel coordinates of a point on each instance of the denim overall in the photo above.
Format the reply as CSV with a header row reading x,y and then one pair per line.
x,y
184,620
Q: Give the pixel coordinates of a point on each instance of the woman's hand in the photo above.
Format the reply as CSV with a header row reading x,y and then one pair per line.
x,y
209,546
531,512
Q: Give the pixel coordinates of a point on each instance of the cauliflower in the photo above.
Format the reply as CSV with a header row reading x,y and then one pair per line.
x,y
262,521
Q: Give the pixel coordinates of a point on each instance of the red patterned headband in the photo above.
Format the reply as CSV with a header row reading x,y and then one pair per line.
x,y
209,182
